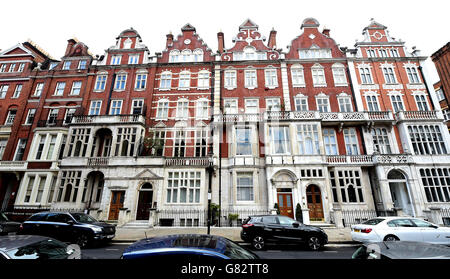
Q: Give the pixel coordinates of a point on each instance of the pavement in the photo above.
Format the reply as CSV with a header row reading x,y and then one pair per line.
x,y
335,235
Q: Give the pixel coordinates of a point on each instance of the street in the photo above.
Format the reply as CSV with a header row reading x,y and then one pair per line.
x,y
331,251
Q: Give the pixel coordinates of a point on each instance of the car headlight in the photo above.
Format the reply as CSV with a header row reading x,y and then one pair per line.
x,y
97,229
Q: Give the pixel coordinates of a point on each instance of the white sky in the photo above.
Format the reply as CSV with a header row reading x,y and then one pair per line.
x,y
97,23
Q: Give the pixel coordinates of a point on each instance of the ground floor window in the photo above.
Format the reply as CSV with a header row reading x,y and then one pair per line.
x,y
68,188
346,186
244,187
437,184
183,187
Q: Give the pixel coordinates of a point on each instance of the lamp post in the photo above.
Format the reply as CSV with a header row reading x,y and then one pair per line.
x,y
210,170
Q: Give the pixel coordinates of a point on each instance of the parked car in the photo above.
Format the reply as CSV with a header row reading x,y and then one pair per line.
x,y
260,230
192,246
77,228
401,250
400,228
35,247
6,226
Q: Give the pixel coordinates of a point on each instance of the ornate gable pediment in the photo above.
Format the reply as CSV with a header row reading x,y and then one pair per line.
x,y
148,174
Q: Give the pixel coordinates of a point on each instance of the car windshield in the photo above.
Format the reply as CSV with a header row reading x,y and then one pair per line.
x,y
83,218
3,217
373,222
234,251
45,249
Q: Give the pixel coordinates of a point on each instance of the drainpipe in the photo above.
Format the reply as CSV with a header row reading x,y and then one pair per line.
x,y
110,93
426,86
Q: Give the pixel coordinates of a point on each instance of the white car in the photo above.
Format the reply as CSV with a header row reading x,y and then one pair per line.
x,y
400,228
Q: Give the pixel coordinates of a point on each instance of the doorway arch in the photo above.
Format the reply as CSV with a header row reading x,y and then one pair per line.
x,y
314,201
145,201
399,192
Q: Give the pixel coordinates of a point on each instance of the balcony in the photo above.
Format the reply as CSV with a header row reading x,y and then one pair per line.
x,y
360,160
419,116
188,161
356,117
291,115
232,118
98,161
13,165
108,119
392,159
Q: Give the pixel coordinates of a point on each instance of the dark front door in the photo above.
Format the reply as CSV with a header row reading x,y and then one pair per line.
x,y
285,204
117,199
144,205
314,203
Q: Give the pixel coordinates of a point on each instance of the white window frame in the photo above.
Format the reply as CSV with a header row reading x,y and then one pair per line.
x,y
17,91
389,75
396,100
58,90
95,107
285,142
137,103
3,90
203,80
121,84
133,59
100,82
182,112
80,83
82,64
38,90
271,78
298,76
10,117
303,133
245,142
339,75
69,112
31,112
116,105
232,108
318,76
366,75
184,80
162,109
321,104
166,80
273,104
230,79
240,186
66,65
345,103
116,59
202,109
251,78
351,141
330,141
421,102
413,75
252,108
301,103
370,102
141,81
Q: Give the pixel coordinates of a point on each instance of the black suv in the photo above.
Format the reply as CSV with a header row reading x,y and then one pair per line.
x,y
258,230
77,228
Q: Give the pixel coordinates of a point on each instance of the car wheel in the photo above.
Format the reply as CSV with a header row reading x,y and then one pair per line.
x,y
82,240
258,242
314,243
391,238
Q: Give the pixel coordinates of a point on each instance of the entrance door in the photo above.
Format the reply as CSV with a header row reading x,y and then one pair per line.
x,y
314,203
117,199
285,204
145,202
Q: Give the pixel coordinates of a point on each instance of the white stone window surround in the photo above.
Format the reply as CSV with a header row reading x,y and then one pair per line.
x,y
202,109
372,102
137,103
66,65
133,59
318,75
17,91
162,109
251,105
182,112
365,73
230,106
389,74
412,72
339,74
116,107
140,83
230,78
323,102
397,103
245,187
116,59
203,77
165,81
280,139
330,141
184,187
273,103
371,53
184,80
271,77
120,83
381,136
100,81
30,117
95,107
351,141
59,88
38,90
345,102
174,56
301,101
244,143
76,87
421,99
298,75
251,78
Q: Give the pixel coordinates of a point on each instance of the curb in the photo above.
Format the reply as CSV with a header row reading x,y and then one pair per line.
x,y
331,242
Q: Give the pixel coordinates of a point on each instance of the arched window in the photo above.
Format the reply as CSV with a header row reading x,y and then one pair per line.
x,y
198,55
186,55
249,53
174,56
68,193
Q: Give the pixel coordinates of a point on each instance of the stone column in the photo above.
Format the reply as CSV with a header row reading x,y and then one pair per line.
x,y
123,217
305,213
151,219
338,218
436,216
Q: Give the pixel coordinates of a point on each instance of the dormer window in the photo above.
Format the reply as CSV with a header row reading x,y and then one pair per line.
x,y
66,65
383,52
186,55
133,59
249,53
198,55
82,65
115,59
314,52
371,53
173,56
127,43
53,65
394,53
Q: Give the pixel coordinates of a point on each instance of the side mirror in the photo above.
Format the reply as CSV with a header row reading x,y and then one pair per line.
x,y
296,224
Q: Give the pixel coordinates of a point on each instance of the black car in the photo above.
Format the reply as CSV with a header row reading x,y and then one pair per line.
x,y
6,226
77,228
401,250
259,230
35,247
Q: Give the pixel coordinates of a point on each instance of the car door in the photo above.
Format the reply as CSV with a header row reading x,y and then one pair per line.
x,y
272,228
36,225
53,225
290,232
405,229
431,233
63,230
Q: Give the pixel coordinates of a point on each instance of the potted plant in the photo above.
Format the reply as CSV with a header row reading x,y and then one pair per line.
x,y
232,217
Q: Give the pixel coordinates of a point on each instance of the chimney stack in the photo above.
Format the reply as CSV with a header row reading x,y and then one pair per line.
x,y
221,41
169,39
273,38
70,44
326,31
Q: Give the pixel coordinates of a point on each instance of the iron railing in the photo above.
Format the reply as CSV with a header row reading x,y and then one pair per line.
x,y
357,216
